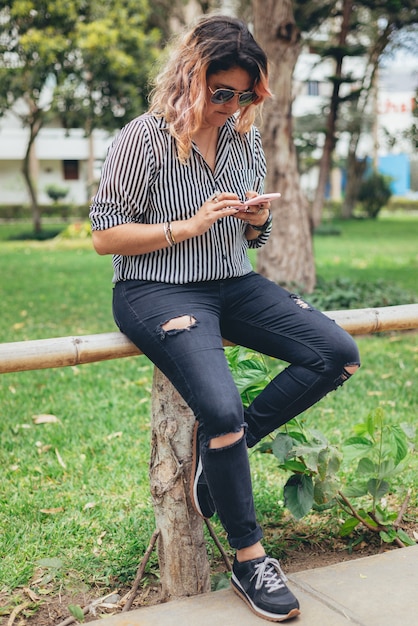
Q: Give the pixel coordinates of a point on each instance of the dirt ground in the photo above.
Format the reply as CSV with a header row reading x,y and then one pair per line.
x,y
51,609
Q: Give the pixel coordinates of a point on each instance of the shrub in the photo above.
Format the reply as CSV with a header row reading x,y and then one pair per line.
x,y
374,193
343,293
56,193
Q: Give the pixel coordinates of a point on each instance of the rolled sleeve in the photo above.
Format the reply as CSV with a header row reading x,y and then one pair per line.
x,y
122,195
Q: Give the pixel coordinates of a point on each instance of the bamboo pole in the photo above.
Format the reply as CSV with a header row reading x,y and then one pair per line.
x,y
63,351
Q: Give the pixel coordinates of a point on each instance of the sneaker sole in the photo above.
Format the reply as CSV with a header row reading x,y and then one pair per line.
x,y
271,617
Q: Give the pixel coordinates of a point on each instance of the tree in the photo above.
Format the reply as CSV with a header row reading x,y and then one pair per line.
x,y
34,46
288,259
338,52
389,25
107,84
88,63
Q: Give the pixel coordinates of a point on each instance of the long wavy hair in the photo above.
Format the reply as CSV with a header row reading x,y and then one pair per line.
x,y
217,43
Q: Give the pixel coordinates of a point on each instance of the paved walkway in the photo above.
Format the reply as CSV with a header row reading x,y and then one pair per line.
x,y
379,590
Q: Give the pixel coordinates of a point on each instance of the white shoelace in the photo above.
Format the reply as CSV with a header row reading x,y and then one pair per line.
x,y
271,574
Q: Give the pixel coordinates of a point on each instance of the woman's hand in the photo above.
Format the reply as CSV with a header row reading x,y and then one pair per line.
x,y
218,206
255,215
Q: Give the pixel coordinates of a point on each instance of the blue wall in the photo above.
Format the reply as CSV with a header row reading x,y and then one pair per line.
x,y
397,167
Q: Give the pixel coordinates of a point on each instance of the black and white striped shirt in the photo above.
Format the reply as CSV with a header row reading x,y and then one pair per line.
x,y
143,181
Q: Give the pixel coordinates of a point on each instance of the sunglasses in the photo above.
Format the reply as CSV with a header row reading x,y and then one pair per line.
x,y
222,96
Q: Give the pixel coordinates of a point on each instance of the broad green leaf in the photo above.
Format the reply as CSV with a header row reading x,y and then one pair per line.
x,y
281,447
325,490
401,444
369,520
355,490
293,465
387,468
361,429
334,462
298,495
249,373
356,446
388,536
317,437
377,488
322,463
310,459
349,525
366,466
299,437
406,539
358,442
76,611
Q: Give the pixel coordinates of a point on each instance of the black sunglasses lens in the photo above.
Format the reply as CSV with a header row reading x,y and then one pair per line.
x,y
220,96
246,98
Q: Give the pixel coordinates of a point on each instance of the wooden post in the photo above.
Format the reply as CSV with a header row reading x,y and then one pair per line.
x,y
184,566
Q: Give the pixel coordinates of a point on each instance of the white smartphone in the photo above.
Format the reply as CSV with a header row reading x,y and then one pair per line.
x,y
266,197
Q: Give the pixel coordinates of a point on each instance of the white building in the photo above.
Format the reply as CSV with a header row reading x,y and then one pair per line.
x,y
59,157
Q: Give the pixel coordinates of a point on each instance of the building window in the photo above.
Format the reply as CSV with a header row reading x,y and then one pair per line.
x,y
70,170
313,88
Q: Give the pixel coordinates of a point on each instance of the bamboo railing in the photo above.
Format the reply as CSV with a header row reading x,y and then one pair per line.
x,y
63,351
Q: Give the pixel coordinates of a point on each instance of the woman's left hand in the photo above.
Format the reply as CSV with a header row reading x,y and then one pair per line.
x,y
255,215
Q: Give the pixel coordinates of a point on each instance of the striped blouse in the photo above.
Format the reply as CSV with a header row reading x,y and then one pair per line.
x,y
143,181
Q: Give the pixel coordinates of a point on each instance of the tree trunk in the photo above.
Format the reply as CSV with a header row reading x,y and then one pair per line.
x,y
288,256
184,567
355,171
355,167
35,121
329,145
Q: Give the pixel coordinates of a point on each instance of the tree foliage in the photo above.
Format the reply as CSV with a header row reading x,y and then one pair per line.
x,y
107,82
88,61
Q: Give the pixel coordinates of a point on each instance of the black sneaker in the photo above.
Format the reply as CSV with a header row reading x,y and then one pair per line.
x,y
201,498
261,584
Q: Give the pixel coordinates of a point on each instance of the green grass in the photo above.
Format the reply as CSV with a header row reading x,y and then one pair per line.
x,y
76,490
370,250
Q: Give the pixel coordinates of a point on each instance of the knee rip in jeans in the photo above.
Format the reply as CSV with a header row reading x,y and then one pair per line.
x,y
300,302
177,325
347,372
222,442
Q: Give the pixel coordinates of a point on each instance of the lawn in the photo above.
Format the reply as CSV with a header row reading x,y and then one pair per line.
x,y
75,509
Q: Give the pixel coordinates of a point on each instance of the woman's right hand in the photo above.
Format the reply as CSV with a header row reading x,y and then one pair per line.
x,y
217,206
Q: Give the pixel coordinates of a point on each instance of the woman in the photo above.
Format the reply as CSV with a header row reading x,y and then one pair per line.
x,y
169,208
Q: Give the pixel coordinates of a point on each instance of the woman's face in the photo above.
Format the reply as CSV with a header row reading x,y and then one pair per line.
x,y
236,79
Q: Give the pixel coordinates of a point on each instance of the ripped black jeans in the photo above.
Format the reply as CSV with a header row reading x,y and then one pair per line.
x,y
180,328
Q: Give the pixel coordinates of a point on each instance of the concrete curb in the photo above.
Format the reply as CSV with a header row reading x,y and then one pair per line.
x,y
379,590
